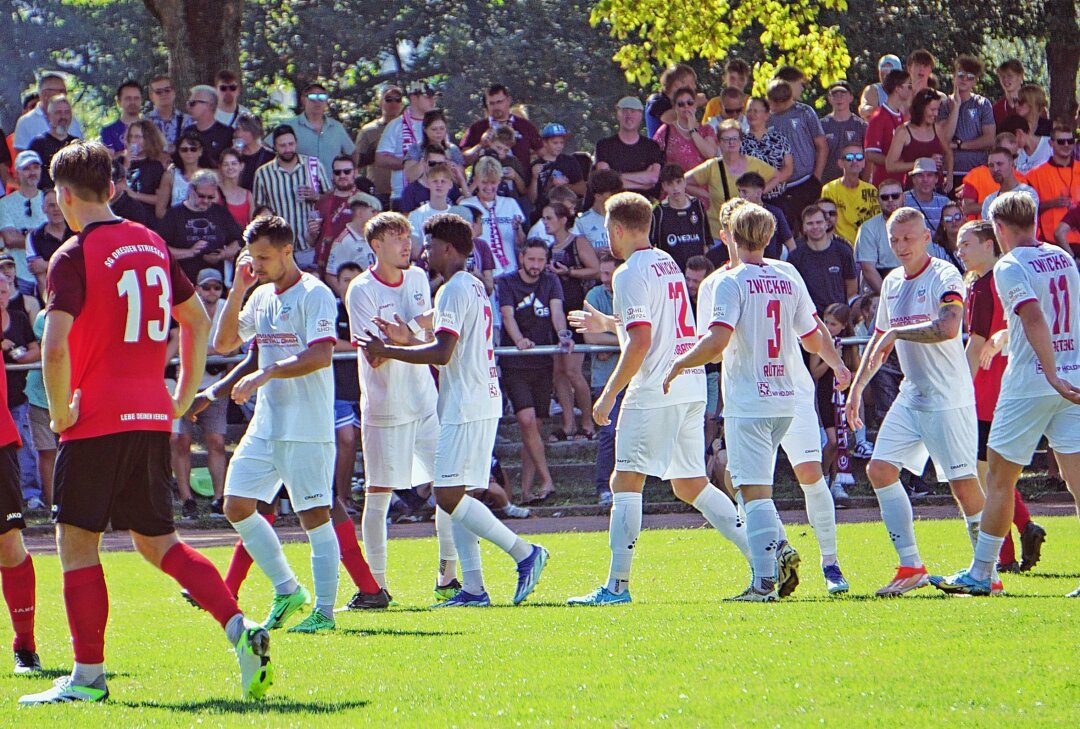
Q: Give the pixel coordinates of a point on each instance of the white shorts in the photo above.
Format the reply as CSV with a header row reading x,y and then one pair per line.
x,y
951,437
259,466
1018,425
751,448
463,453
400,456
666,442
802,441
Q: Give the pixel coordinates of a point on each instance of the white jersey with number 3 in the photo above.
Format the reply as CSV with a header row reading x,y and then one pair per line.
x,y
769,310
468,383
1048,276
649,290
395,392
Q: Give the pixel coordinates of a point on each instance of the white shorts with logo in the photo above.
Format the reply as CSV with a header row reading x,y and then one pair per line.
x,y
666,442
751,448
802,441
463,453
1018,425
259,466
950,437
400,456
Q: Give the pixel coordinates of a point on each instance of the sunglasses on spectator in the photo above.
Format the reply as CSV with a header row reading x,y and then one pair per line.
x,y
189,149
392,99
340,171
732,112
211,287
890,195
684,104
161,90
1065,140
318,97
854,157
828,213
227,87
731,140
953,217
193,102
965,75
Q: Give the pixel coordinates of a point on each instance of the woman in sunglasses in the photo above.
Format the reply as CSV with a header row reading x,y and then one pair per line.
x,y
944,243
919,138
686,142
188,159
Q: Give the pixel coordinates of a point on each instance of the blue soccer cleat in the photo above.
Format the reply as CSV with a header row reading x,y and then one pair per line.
x,y
529,571
601,596
834,580
962,583
465,599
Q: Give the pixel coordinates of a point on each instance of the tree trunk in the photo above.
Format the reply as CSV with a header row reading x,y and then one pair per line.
x,y
1062,56
203,37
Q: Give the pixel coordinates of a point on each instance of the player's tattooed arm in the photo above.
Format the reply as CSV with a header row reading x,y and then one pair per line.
x,y
948,324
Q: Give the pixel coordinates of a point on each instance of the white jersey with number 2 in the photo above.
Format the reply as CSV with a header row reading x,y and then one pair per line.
x,y
649,290
768,309
468,383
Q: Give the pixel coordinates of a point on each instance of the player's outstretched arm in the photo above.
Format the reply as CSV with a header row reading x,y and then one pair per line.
x,y
949,321
707,350
873,357
224,386
194,332
318,355
820,342
639,339
591,320
1038,336
436,353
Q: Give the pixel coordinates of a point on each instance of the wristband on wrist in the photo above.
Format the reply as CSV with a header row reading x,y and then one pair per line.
x,y
208,393
415,328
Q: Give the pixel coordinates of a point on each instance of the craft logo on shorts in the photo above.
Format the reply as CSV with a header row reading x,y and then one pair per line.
x,y
635,312
763,389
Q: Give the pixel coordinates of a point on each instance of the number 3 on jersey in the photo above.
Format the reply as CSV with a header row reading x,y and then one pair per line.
x,y
772,311
677,293
157,328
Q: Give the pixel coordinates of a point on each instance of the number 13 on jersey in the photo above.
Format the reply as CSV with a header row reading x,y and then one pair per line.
x,y
128,287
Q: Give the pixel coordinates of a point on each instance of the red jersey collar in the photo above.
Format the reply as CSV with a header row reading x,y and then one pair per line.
x,y
929,260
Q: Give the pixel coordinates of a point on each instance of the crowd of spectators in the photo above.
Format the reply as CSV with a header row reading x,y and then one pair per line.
x,y
200,171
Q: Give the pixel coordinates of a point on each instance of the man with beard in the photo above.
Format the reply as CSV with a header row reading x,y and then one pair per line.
x,y
56,138
199,232
1000,161
333,208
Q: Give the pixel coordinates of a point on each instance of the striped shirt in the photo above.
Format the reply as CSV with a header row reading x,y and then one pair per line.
x,y
276,188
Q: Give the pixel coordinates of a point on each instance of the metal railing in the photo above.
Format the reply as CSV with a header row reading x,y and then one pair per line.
x,y
547,349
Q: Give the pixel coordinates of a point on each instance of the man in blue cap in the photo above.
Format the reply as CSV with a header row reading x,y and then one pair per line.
x,y
551,168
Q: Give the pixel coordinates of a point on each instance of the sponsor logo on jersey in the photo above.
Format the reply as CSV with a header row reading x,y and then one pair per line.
x,y
493,391
920,294
635,312
13,516
418,297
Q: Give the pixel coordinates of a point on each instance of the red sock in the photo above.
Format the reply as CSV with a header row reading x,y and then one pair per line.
x,y
1021,515
19,588
353,558
87,600
1007,555
200,578
241,563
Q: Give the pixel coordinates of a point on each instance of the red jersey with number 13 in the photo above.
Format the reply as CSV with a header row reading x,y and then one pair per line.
x,y
119,282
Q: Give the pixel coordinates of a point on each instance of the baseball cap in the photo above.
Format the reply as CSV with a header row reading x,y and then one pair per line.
x,y
6,257
841,84
420,87
209,274
889,61
630,102
553,129
27,157
363,198
924,164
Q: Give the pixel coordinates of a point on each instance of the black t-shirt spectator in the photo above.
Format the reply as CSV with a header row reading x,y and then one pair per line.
x,y
253,162
42,244
825,272
215,139
131,209
46,145
144,177
183,227
346,376
565,165
21,333
680,233
532,312
636,157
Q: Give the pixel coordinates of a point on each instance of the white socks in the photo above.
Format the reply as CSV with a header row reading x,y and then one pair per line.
x,y
262,543
974,521
373,529
625,526
900,521
468,550
325,555
479,520
987,548
764,538
721,514
821,514
448,556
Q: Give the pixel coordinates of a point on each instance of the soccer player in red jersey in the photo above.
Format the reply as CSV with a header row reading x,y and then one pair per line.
x,y
111,292
16,567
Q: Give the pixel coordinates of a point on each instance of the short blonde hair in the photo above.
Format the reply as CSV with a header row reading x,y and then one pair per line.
x,y
753,227
630,210
487,168
1015,209
902,216
727,211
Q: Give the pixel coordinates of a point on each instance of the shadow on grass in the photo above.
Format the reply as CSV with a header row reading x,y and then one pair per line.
x,y
55,673
1052,575
242,706
397,632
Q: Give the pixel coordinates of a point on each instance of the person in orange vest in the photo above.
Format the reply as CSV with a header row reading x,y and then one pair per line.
x,y
1057,183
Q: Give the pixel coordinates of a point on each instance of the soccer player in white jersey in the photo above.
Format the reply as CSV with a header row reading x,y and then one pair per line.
x,y
759,309
658,433
1040,390
470,404
801,442
921,313
399,426
292,316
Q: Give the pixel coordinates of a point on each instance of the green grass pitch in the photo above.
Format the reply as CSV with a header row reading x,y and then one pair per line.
x,y
677,656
